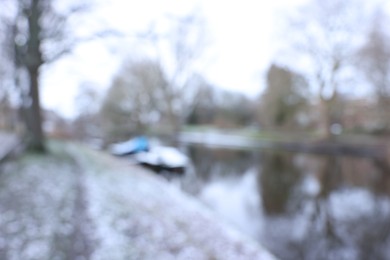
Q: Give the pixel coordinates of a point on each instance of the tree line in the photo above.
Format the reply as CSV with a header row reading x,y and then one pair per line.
x,y
331,50
33,33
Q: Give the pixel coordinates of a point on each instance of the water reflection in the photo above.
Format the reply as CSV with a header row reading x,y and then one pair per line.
x,y
277,179
218,164
300,206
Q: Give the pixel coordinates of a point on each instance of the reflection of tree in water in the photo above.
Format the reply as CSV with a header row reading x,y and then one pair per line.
x,y
374,239
347,218
330,176
363,234
381,184
321,238
213,164
277,180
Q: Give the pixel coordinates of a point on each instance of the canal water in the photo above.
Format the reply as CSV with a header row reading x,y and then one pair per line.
x,y
300,206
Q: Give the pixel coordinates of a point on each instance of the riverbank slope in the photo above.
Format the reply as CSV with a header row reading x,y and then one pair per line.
x,y
75,203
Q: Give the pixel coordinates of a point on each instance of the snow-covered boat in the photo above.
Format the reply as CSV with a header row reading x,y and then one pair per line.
x,y
155,157
163,158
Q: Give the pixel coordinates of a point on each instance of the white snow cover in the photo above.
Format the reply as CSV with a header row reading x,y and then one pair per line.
x,y
133,207
163,155
122,148
81,204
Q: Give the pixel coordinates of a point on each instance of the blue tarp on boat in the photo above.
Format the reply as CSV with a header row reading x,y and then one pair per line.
x,y
132,146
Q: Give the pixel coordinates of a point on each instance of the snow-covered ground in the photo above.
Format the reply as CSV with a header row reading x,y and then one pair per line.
x,y
81,204
8,143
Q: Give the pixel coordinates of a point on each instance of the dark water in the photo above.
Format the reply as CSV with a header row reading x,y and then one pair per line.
x,y
299,206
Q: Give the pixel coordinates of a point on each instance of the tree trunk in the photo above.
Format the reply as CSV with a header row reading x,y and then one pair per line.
x,y
32,62
325,119
326,102
33,118
384,113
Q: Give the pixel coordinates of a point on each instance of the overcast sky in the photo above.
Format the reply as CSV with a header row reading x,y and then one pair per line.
x,y
241,36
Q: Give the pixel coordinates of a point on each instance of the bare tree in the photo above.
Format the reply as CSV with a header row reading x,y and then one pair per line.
x,y
204,111
86,126
5,106
186,40
136,100
283,98
37,36
374,61
324,35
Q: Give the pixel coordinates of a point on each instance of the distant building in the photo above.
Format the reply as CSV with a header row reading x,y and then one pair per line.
x,y
361,114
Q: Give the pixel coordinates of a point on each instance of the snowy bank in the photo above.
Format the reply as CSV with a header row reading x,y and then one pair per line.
x,y
81,204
